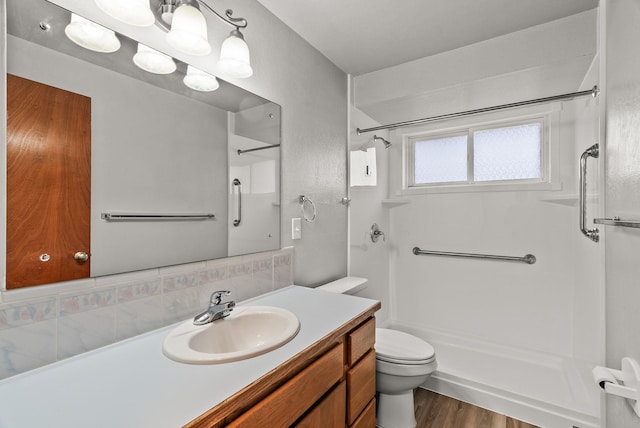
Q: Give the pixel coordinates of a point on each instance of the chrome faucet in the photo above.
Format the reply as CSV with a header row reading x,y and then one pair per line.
x,y
217,308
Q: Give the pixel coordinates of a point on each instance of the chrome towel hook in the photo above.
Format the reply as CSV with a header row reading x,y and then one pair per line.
x,y
304,203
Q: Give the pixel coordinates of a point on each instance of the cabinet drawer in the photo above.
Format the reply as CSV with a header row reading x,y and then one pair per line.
x,y
287,403
331,412
361,385
367,418
361,340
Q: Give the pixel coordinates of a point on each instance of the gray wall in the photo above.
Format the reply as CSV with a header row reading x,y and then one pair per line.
x,y
622,169
313,94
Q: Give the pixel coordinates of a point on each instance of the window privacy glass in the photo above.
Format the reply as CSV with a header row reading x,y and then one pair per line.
x,y
510,153
440,160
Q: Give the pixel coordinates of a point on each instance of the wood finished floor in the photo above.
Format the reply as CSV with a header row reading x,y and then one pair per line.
x,y
438,411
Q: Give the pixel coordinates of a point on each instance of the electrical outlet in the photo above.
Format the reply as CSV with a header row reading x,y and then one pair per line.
x,y
296,228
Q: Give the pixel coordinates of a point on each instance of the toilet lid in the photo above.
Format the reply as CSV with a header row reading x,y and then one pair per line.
x,y
402,348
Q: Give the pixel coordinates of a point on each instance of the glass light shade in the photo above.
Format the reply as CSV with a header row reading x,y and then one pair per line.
x,y
189,31
198,80
234,57
132,12
91,36
153,61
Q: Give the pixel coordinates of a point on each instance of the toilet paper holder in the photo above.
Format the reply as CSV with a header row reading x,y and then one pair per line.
x,y
623,383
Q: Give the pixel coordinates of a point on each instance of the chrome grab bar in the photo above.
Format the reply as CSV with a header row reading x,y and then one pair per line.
x,y
237,221
528,259
118,216
593,152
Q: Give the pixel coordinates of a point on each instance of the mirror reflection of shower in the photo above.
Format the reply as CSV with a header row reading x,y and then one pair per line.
x,y
386,143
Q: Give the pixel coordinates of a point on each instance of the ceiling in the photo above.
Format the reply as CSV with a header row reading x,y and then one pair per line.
x,y
361,36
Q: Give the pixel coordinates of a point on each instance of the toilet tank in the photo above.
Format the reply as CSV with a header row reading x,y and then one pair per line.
x,y
346,285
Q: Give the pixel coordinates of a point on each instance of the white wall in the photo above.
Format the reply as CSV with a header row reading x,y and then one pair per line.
x,y
622,171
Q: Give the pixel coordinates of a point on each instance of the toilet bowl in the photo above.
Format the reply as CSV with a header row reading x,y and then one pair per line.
x,y
403,362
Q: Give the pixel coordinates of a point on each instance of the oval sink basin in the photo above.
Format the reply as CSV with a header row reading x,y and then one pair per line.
x,y
249,331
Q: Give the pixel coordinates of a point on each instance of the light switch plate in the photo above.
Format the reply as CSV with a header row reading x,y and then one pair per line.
x,y
296,228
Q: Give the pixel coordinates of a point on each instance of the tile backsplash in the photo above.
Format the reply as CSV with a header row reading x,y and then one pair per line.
x,y
36,331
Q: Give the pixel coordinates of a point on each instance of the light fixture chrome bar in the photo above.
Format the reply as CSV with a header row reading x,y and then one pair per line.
x,y
169,6
589,233
528,258
257,148
617,221
236,22
593,92
112,216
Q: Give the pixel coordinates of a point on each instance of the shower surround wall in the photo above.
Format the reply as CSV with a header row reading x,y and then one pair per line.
x,y
313,95
492,322
368,259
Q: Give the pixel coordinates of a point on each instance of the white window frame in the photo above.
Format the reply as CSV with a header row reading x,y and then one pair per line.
x,y
548,116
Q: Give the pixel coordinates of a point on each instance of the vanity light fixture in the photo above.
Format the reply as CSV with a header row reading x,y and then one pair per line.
x,y
198,80
132,12
153,61
188,33
91,36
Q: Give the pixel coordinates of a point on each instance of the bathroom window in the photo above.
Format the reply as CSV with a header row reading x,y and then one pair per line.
x,y
498,154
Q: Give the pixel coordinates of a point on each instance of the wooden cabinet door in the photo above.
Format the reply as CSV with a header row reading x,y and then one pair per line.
x,y
361,385
285,405
48,183
330,412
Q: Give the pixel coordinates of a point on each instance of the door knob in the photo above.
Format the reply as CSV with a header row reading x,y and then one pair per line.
x,y
81,257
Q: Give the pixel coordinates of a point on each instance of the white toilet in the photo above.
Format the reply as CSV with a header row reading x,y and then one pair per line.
x,y
403,362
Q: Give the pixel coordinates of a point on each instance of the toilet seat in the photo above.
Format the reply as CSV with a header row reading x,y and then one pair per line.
x,y
398,347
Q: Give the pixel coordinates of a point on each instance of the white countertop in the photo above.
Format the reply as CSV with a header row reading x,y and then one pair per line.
x,y
132,384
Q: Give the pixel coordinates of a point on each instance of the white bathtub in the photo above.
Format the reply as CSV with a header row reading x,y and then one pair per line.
x,y
544,390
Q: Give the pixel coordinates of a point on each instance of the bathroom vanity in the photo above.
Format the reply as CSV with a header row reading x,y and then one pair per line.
x,y
325,376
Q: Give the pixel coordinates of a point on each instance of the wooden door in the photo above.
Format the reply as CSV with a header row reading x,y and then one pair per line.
x,y
48,183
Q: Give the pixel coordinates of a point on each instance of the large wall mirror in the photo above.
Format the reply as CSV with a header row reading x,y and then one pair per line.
x,y
175,175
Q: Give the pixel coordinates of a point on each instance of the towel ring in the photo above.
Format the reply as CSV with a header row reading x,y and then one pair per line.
x,y
304,200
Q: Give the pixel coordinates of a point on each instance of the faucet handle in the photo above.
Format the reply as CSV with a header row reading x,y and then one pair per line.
x,y
216,296
376,233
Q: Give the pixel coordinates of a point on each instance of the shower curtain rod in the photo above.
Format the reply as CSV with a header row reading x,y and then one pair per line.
x,y
593,92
